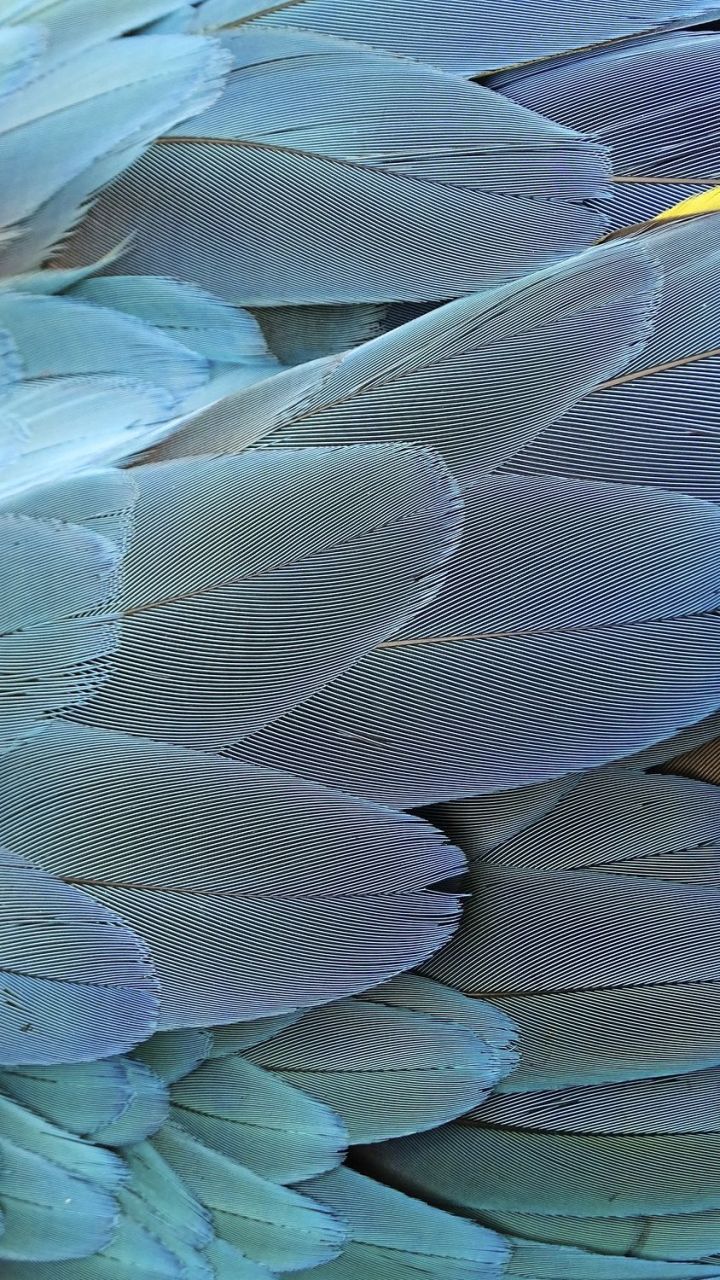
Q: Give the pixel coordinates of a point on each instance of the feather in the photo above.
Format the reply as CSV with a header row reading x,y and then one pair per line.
x,y
20,52
174,1054
156,1196
392,1234
657,422
56,941
42,1167
467,38
470,697
309,894
237,1037
449,184
57,620
227,336
477,379
617,819
220,552
103,106
74,25
84,364
644,100
157,1200
386,1071
411,991
472,1167
632,1009
664,753
676,942
102,501
544,1262
682,1237
132,1254
254,1117
229,1264
675,1104
271,1225
576,1032
113,1102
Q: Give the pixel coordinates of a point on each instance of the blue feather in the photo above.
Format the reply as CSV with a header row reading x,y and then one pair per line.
x,y
452,188
466,38
644,100
101,107
220,549
658,422
54,943
586,581
309,894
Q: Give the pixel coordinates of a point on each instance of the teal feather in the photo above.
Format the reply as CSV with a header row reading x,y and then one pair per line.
x,y
391,1234
74,25
258,1119
41,1168
548,1262
384,1070
110,1102
174,1054
271,1225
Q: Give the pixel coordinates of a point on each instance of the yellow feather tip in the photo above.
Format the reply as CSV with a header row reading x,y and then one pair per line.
x,y
704,202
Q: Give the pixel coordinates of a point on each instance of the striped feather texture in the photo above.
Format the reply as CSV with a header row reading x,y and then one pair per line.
x,y
643,100
55,942
449,183
89,106
309,894
470,697
454,379
212,646
58,620
467,38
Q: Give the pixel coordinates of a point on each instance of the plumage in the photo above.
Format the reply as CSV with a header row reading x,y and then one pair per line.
x,y
453,379
469,698
54,940
462,38
254,1117
656,423
643,99
88,107
390,1233
58,620
43,1167
358,649
540,1262
82,364
384,1070
436,169
226,544
112,1102
111,812
274,1226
